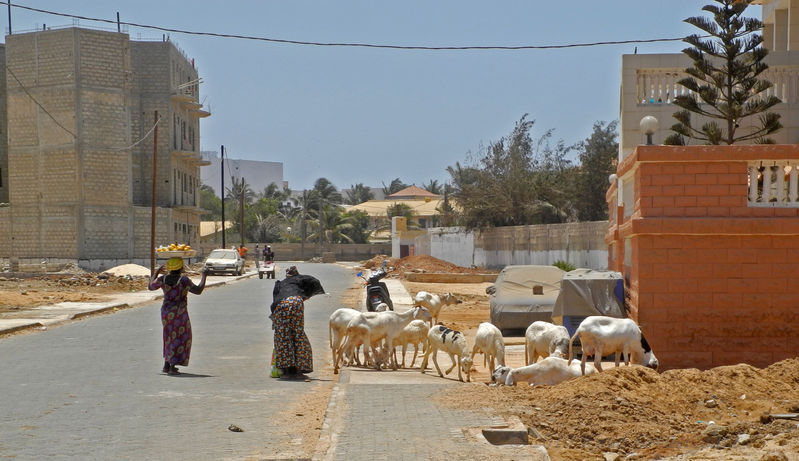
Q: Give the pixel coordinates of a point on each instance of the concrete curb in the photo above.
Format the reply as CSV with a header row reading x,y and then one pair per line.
x,y
100,310
7,331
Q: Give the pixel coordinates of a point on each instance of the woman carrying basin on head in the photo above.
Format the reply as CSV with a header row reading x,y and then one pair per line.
x,y
174,312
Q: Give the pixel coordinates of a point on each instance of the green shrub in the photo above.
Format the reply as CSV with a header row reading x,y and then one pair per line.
x,y
564,265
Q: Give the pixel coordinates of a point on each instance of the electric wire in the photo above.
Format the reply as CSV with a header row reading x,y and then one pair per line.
x,y
74,136
347,44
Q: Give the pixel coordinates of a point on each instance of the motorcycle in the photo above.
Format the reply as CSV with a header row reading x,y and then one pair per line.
x,y
376,291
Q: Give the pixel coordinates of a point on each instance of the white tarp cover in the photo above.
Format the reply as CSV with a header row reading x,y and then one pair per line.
x,y
585,292
514,305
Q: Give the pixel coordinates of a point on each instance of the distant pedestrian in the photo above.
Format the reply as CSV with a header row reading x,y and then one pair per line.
x,y
293,354
174,312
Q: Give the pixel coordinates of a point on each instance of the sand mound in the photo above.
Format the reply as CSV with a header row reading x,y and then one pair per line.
x,y
420,263
635,409
129,269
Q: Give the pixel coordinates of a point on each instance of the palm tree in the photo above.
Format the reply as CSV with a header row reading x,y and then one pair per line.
x,y
243,193
395,186
433,187
359,193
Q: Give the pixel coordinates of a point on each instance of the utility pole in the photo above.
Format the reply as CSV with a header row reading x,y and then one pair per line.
x,y
321,227
152,208
9,17
222,157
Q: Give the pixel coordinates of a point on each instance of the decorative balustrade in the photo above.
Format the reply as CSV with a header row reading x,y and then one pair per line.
x,y
660,86
774,184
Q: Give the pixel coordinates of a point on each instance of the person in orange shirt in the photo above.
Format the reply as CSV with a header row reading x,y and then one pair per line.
x,y
243,251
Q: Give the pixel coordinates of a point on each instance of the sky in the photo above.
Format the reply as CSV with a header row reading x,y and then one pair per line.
x,y
365,115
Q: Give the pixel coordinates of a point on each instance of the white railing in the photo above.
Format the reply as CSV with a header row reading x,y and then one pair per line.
x,y
774,184
659,86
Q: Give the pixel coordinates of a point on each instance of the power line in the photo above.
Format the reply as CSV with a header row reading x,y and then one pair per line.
x,y
74,136
347,44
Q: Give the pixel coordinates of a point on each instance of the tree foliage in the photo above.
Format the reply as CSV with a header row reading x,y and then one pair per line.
x,y
598,158
516,181
724,80
359,193
396,185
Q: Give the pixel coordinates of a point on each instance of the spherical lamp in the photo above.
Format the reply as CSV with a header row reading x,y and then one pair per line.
x,y
649,125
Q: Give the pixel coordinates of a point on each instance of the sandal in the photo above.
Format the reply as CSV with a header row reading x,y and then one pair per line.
x,y
173,371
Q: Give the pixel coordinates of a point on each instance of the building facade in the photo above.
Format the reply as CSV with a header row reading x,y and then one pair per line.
x,y
258,174
77,146
649,81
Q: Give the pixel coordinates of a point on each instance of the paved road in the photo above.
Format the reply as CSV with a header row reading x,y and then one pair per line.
x,y
92,389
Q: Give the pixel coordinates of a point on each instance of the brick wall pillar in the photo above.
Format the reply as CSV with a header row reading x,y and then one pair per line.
x,y
712,274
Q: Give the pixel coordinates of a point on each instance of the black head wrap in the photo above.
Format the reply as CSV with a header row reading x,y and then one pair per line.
x,y
296,285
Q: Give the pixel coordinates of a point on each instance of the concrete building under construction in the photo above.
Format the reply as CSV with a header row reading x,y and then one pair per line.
x,y
77,126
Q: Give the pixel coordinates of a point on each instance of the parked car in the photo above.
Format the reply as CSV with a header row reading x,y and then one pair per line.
x,y
224,260
523,294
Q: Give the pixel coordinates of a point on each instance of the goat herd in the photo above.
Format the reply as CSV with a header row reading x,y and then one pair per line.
x,y
380,333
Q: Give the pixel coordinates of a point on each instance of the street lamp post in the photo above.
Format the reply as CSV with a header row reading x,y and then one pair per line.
x,y
649,125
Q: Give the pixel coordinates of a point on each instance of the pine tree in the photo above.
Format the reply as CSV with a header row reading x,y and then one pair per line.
x,y
724,79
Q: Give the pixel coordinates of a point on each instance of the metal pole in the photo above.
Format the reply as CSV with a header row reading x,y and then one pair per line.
x,y
119,26
152,209
9,17
222,162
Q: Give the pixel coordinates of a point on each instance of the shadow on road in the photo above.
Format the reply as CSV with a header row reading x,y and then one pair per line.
x,y
189,375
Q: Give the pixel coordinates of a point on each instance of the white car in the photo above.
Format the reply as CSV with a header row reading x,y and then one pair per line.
x,y
224,260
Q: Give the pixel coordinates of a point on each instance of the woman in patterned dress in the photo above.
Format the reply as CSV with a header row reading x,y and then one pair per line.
x,y
174,312
293,355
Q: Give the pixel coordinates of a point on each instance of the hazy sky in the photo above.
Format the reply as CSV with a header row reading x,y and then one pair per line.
x,y
370,115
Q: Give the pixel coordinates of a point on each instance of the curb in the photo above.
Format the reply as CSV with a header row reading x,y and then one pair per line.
x,y
122,305
100,310
7,331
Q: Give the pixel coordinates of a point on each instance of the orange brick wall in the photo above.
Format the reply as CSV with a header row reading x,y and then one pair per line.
x,y
711,281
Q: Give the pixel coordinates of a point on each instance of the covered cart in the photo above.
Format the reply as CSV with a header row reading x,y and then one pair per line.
x,y
586,292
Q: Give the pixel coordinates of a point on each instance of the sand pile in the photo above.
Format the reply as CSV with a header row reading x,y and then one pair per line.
x,y
636,410
129,269
420,263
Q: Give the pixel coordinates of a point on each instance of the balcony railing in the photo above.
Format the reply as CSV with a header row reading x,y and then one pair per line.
x,y
774,184
660,86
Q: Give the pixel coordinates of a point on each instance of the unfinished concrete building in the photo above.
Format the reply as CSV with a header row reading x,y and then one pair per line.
x,y
77,111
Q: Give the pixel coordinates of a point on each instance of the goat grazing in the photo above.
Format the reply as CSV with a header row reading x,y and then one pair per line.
x,y
543,339
453,343
604,335
489,342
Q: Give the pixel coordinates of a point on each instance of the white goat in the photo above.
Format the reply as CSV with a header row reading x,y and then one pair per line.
x,y
604,335
453,343
434,302
543,339
338,331
550,371
489,342
368,328
414,333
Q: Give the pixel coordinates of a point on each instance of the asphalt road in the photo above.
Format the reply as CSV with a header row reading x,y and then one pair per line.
x,y
93,389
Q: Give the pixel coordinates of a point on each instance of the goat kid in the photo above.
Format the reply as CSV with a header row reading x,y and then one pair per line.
x,y
434,302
